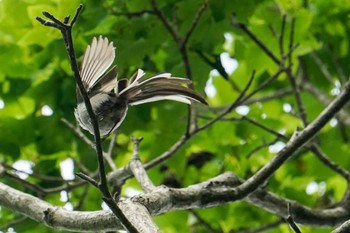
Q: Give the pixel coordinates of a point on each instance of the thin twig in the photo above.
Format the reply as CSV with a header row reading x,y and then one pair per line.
x,y
326,161
271,131
88,179
9,224
205,223
271,96
34,174
281,37
260,147
252,36
263,85
217,65
263,228
292,79
135,13
322,67
291,43
337,65
165,22
182,47
194,23
34,187
79,133
167,154
109,154
290,220
230,108
66,31
82,136
82,198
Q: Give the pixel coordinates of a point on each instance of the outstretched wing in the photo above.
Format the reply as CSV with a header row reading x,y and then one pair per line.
x,y
98,57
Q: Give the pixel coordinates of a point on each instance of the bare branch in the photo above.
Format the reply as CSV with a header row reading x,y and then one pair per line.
x,y
343,115
325,160
165,22
194,23
263,85
206,224
138,170
66,31
118,177
260,147
290,220
164,199
136,13
13,223
281,37
294,84
291,42
322,67
88,179
337,65
264,228
167,154
217,65
343,228
109,154
253,37
79,133
294,144
230,108
139,216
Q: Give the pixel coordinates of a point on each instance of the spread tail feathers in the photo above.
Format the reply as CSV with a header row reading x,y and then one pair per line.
x,y
159,87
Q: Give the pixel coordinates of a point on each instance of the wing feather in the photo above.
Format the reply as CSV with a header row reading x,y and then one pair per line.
x,y
98,57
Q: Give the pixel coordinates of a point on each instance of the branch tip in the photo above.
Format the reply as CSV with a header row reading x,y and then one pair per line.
x,y
77,13
66,19
87,178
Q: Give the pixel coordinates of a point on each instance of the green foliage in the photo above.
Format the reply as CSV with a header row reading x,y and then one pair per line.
x,y
35,72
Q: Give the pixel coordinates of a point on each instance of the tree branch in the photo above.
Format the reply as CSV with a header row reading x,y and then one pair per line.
x,y
138,170
294,144
253,37
66,31
162,200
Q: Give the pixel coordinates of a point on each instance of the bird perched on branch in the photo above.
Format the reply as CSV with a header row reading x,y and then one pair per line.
x,y
110,97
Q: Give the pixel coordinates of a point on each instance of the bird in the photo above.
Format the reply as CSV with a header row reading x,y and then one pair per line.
x,y
110,97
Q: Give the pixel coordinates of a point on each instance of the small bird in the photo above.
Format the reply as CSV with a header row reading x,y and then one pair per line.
x,y
111,97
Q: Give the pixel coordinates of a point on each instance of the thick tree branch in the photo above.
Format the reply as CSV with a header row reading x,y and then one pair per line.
x,y
343,228
57,217
162,200
139,216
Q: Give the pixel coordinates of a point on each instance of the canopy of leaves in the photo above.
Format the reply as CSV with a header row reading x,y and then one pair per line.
x,y
35,76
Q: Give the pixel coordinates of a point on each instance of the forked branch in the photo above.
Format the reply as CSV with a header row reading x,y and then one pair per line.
x,y
66,30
